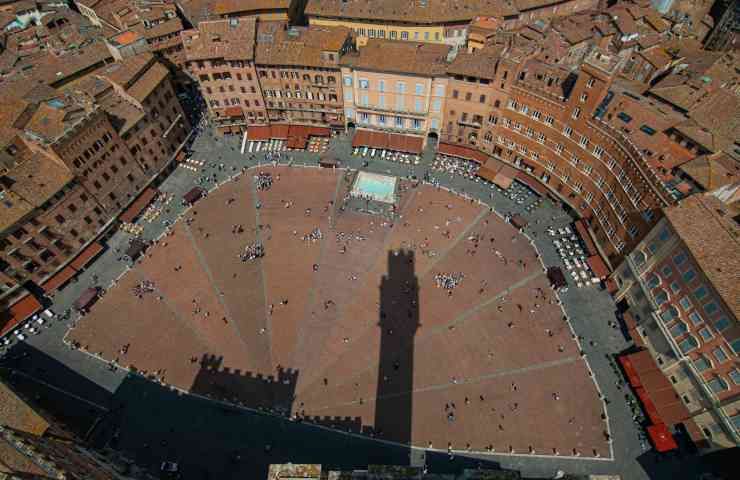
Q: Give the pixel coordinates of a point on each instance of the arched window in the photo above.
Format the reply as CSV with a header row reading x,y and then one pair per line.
x,y
670,314
717,384
319,79
661,296
639,257
652,281
688,345
702,363
679,329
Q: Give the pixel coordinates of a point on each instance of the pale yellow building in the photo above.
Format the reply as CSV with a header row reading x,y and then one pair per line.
x,y
396,86
438,21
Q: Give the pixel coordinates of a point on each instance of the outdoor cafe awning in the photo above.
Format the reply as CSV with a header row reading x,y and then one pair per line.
x,y
388,141
505,177
258,133
18,313
533,184
90,252
86,299
58,279
598,266
138,205
582,230
661,438
643,372
460,151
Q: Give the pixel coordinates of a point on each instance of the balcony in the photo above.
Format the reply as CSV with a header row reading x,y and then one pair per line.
x,y
469,123
393,111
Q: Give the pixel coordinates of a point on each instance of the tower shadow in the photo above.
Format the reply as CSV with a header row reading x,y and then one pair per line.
x,y
399,321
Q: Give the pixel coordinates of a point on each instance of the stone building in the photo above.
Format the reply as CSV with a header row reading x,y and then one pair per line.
x,y
679,289
396,86
299,72
220,56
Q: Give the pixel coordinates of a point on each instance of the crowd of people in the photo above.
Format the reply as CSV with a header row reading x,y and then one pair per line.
x,y
253,251
455,166
263,181
448,281
142,288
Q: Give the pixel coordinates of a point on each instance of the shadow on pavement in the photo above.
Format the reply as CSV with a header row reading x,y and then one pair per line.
x,y
245,388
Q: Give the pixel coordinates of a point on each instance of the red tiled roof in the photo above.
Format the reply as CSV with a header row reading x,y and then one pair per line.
x,y
58,279
19,312
92,251
138,205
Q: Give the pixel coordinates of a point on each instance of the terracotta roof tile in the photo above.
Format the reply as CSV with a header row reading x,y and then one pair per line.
x,y
426,59
232,39
480,64
150,80
714,171
433,12
713,239
16,413
299,46
165,28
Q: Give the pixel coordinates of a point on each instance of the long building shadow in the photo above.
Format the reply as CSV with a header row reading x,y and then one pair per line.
x,y
399,322
269,392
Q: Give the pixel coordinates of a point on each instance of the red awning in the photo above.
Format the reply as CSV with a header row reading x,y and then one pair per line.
x,y
582,230
297,131
361,138
258,133
648,405
297,143
86,299
460,151
234,112
661,438
598,266
84,257
533,184
318,131
670,409
138,205
405,143
58,279
488,172
505,177
279,132
629,371
18,313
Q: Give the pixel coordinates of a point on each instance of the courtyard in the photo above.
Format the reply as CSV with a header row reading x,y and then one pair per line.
x,y
435,328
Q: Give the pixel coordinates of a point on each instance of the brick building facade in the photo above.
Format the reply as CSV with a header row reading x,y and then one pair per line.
x,y
679,285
